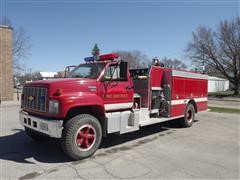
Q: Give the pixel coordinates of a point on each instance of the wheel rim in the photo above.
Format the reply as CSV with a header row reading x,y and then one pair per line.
x,y
189,115
85,137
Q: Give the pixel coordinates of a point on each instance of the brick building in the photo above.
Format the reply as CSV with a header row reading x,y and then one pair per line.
x,y
6,63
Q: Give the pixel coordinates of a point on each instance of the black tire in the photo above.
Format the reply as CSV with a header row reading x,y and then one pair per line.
x,y
189,116
36,135
84,129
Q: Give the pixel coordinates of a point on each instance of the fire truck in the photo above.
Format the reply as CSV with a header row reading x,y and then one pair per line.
x,y
102,96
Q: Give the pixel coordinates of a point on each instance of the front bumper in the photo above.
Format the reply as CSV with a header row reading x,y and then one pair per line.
x,y
52,128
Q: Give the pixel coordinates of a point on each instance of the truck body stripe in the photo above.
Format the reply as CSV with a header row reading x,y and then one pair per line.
x,y
185,101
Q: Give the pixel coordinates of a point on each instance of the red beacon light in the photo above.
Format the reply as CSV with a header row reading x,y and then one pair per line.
x,y
111,56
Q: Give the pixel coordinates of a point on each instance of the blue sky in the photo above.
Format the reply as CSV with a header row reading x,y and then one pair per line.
x,y
64,32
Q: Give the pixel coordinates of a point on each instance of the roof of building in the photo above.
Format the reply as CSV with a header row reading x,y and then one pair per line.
x,y
5,27
216,78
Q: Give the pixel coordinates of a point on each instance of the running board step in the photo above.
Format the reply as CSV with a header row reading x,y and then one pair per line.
x,y
156,120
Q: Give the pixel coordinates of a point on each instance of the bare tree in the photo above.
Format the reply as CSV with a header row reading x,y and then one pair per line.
x,y
135,58
29,76
219,50
173,63
21,45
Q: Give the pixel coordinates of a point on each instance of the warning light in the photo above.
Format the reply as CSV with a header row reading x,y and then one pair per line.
x,y
89,59
103,57
108,56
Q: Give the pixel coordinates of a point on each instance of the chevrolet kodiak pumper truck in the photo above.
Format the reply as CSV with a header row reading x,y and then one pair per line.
x,y
102,96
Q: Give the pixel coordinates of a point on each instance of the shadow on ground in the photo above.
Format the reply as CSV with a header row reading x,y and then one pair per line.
x,y
18,147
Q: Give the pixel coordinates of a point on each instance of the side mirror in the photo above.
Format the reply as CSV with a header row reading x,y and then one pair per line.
x,y
105,78
123,70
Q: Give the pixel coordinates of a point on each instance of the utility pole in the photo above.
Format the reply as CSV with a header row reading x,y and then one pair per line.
x,y
30,69
203,61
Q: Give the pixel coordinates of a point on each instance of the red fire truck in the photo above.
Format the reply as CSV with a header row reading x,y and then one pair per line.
x,y
102,96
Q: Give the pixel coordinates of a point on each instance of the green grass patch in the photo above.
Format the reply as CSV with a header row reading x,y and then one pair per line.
x,y
224,110
221,94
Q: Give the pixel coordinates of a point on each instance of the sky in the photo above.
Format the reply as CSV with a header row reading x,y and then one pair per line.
x,y
63,32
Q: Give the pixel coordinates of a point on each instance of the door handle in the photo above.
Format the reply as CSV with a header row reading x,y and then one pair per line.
x,y
129,87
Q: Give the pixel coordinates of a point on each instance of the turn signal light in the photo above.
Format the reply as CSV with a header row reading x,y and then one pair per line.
x,y
58,92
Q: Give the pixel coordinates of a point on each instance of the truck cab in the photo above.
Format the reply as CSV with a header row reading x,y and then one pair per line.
x,y
102,96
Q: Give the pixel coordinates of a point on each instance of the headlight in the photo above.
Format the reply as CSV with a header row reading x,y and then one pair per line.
x,y
53,106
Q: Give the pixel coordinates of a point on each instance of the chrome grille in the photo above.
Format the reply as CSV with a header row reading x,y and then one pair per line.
x,y
34,98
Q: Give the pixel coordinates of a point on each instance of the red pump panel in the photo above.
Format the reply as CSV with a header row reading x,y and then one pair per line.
x,y
191,88
203,88
178,88
156,74
188,86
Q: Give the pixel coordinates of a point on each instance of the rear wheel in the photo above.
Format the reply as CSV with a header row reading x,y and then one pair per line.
x,y
36,135
82,136
189,116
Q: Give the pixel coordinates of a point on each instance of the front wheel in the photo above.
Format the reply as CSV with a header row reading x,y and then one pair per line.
x,y
81,136
189,116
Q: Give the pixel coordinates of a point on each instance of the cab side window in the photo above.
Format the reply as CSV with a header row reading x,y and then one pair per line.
x,y
112,73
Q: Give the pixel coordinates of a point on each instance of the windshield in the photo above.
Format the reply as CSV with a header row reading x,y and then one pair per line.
x,y
91,71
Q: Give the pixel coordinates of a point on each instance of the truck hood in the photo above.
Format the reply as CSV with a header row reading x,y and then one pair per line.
x,y
68,85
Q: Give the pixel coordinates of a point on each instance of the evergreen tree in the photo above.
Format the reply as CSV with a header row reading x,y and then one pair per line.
x,y
95,51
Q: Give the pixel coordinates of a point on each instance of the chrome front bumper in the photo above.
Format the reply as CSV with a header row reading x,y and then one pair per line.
x,y
52,128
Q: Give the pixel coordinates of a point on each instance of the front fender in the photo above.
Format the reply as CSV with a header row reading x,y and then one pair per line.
x,y
69,101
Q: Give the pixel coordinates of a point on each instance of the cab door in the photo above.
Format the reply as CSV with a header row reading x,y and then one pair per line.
x,y
116,91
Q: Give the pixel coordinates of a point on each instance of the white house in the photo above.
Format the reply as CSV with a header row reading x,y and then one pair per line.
x,y
48,75
216,84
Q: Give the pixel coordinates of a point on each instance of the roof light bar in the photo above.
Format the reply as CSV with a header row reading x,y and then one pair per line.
x,y
103,57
